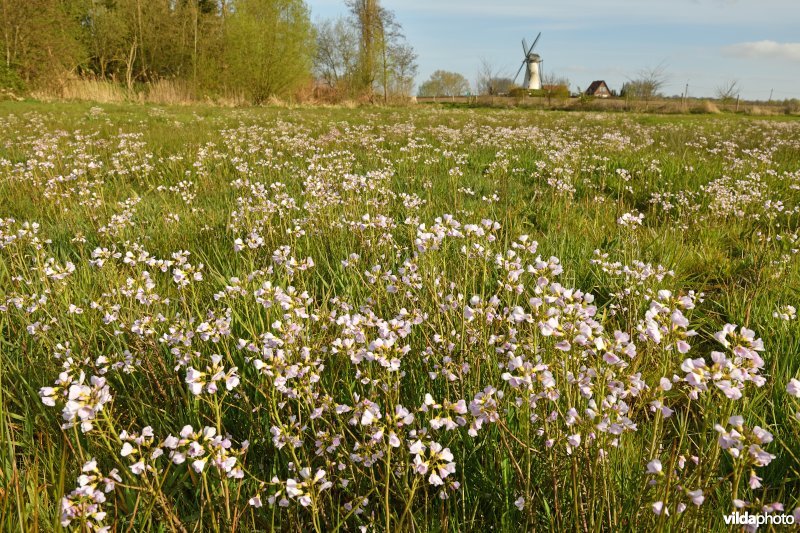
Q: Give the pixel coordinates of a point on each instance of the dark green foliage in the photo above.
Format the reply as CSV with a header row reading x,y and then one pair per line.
x,y
10,80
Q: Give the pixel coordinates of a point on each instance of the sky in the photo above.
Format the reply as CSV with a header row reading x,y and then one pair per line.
x,y
703,43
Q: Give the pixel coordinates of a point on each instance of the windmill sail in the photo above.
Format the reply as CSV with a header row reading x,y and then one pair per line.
x,y
534,42
520,70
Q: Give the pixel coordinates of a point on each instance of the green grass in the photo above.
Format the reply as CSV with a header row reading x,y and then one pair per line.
x,y
330,182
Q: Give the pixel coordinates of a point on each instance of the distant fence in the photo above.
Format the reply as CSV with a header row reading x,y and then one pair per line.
x,y
655,105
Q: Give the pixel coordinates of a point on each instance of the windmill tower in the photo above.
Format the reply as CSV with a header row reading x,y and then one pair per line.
x,y
533,77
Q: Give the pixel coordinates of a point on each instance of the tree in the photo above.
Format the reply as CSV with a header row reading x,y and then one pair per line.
x,y
728,91
555,80
444,83
104,35
503,85
647,85
367,17
555,86
257,48
491,82
144,41
356,62
401,70
336,60
40,40
268,47
486,72
397,59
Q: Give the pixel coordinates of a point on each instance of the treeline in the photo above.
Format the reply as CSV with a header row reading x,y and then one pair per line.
x,y
248,49
364,53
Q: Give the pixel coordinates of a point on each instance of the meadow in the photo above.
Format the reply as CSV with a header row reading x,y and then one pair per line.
x,y
411,319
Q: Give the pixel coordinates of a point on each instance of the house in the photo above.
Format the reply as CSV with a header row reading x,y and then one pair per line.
x,y
599,89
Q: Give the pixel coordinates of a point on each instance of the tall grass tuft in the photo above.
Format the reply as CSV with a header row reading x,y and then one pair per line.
x,y
169,92
84,89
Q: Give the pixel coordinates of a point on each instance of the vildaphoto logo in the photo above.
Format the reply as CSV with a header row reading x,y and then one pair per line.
x,y
759,519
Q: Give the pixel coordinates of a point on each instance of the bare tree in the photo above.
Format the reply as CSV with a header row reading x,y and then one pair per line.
x,y
365,53
403,61
647,84
555,86
488,79
728,91
337,54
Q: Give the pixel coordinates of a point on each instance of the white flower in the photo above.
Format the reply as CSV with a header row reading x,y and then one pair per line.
x,y
127,449
48,395
417,447
199,464
368,417
786,313
631,220
659,507
654,467
138,468
793,388
696,497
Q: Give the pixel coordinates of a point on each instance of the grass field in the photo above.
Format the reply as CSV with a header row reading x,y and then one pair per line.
x,y
396,319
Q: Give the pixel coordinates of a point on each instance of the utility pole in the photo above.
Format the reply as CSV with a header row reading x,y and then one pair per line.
x,y
685,98
770,94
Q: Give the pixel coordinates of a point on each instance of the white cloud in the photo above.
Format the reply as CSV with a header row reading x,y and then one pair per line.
x,y
765,49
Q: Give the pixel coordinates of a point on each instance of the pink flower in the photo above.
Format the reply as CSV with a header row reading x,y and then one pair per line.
x,y
697,497
659,507
793,388
654,467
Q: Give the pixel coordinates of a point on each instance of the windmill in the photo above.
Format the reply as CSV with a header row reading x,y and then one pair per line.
x,y
533,78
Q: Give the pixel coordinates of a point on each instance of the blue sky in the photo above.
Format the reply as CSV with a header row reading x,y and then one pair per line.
x,y
705,43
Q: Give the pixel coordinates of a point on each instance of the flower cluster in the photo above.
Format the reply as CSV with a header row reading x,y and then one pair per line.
x,y
302,490
630,220
200,448
432,459
731,371
206,381
86,503
745,443
83,398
